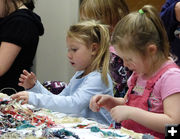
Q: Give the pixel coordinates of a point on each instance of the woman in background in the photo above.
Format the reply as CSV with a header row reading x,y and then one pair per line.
x,y
20,29
109,12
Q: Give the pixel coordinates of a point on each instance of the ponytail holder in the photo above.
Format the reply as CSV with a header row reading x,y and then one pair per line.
x,y
141,11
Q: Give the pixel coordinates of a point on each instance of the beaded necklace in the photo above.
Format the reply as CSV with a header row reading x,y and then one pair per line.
x,y
106,134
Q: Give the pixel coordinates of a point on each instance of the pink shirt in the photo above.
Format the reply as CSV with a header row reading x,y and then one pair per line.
x,y
167,85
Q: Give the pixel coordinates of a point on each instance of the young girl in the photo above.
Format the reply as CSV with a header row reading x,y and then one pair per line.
x,y
109,12
153,97
20,29
88,44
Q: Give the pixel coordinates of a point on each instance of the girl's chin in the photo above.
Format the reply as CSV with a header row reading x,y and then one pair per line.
x,y
76,69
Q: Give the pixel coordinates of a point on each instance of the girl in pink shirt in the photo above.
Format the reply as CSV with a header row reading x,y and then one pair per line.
x,y
153,96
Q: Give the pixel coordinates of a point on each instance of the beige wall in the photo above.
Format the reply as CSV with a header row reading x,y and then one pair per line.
x,y
51,61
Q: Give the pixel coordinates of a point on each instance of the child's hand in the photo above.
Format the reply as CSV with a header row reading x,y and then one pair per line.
x,y
21,96
27,80
100,100
93,105
120,113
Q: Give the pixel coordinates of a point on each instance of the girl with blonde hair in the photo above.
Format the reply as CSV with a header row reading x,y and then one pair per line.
x,y
88,53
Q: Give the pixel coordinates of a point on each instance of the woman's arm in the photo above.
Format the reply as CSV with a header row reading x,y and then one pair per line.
x,y
8,53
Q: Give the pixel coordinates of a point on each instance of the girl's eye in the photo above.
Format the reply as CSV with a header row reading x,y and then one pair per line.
x,y
73,49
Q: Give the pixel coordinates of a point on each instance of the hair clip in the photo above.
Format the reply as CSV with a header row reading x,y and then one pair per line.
x,y
141,11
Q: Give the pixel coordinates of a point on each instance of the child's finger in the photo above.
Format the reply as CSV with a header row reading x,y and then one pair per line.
x,y
91,105
15,96
25,72
24,102
21,84
33,76
21,79
94,107
22,76
23,99
99,101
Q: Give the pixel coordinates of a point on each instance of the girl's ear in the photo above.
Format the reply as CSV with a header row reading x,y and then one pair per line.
x,y
152,49
94,48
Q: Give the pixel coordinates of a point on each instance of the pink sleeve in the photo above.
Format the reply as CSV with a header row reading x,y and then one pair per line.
x,y
170,83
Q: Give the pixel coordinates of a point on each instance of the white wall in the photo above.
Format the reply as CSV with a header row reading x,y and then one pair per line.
x,y
51,61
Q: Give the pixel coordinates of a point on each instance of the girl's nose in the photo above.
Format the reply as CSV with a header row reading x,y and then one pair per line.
x,y
69,55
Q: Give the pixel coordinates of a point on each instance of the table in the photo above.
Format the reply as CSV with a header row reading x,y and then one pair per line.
x,y
26,121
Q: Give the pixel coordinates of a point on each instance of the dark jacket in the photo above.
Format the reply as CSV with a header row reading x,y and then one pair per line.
x,y
171,24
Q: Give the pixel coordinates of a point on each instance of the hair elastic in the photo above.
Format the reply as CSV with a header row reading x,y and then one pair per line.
x,y
141,11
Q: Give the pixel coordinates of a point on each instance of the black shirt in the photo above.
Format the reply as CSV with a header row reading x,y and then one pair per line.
x,y
23,28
